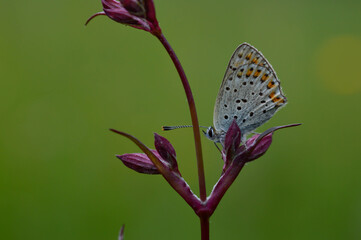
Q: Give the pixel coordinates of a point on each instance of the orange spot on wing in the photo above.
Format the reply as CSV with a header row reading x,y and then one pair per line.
x,y
256,74
280,102
255,60
249,72
276,99
271,85
264,77
248,57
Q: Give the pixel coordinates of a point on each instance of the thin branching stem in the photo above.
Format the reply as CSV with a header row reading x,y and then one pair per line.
x,y
193,112
204,220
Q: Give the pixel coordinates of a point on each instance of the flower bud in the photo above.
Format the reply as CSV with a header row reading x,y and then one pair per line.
x,y
135,7
165,150
139,162
135,13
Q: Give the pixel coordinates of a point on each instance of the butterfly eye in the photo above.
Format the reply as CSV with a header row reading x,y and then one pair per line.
x,y
210,132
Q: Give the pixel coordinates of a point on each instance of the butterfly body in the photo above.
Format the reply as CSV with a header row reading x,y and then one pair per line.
x,y
250,93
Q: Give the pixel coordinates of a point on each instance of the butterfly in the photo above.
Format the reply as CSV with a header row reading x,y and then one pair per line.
x,y
250,94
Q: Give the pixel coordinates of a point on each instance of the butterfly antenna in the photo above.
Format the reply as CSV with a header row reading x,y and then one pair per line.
x,y
168,128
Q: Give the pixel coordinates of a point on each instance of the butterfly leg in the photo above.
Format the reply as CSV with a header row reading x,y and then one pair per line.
x,y
215,144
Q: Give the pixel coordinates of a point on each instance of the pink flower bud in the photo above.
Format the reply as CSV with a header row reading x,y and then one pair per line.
x,y
165,150
261,147
254,147
135,7
135,13
139,162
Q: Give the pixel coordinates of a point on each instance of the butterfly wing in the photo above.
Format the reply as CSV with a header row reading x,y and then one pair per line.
x,y
250,92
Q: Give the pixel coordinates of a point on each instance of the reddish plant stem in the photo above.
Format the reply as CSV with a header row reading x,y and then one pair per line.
x,y
193,112
172,177
205,228
223,185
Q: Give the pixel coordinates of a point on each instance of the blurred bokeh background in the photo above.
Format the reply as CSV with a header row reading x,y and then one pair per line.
x,y
63,85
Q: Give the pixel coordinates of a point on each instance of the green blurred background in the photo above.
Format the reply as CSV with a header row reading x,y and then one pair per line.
x,y
63,85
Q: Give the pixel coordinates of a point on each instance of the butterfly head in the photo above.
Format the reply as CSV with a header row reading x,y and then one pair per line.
x,y
211,134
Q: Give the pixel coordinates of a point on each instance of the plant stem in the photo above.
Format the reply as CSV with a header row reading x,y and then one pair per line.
x,y
204,228
193,112
223,185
